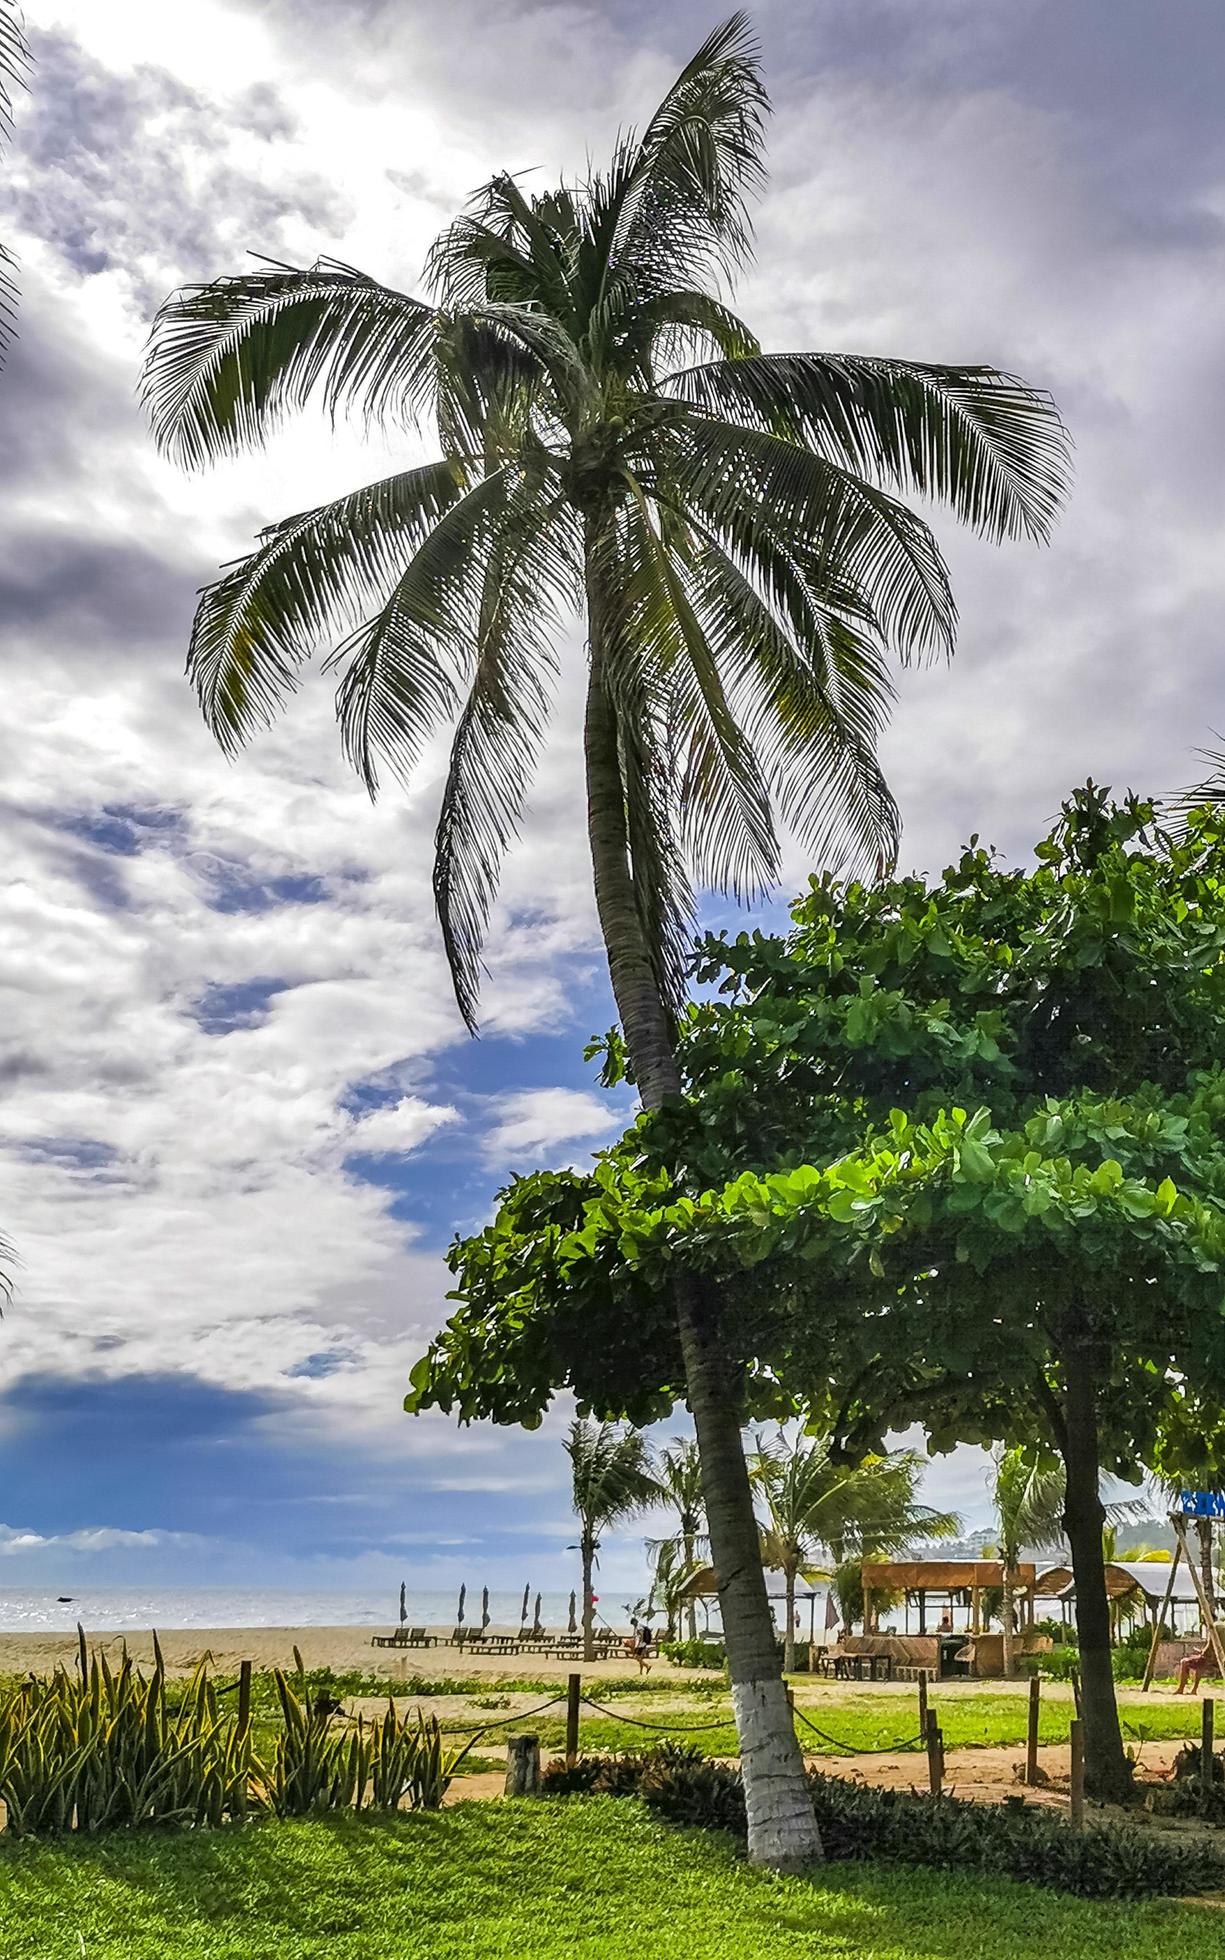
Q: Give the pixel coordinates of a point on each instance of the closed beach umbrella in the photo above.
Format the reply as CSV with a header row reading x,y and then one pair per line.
x,y
403,1602
527,1593
484,1607
573,1626
459,1610
536,1626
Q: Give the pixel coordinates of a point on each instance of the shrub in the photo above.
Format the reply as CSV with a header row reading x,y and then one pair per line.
x,y
382,1764
693,1653
1100,1861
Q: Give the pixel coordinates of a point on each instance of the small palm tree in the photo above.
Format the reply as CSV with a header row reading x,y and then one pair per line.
x,y
678,1473
671,1575
1029,1494
612,1479
730,523
816,1508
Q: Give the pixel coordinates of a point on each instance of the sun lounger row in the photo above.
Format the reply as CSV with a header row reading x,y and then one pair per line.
x,y
500,1643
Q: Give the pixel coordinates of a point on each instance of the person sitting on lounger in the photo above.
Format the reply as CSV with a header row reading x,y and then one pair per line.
x,y
1194,1667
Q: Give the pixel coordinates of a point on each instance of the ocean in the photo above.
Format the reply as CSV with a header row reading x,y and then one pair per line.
x,y
100,1609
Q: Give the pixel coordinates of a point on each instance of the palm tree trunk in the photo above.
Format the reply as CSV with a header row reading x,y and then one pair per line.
x,y
782,1827
692,1615
1107,1774
789,1635
1006,1610
588,1553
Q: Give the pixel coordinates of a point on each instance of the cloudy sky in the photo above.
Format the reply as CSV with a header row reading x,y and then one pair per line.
x,y
239,1117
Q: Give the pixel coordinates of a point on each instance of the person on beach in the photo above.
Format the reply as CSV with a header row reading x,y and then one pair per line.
x,y
642,1648
1195,1666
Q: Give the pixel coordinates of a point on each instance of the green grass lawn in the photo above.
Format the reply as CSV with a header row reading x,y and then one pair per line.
x,y
866,1721
532,1881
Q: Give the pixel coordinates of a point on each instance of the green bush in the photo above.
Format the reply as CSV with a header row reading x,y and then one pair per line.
x,y
693,1653
1101,1861
1060,1664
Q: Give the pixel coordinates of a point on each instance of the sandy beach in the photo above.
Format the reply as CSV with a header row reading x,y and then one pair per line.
x,y
341,1648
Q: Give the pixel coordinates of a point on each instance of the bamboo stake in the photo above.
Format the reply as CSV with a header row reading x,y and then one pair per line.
x,y
1150,1666
1031,1740
1077,1781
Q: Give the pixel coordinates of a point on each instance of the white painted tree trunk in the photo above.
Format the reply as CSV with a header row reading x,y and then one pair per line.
x,y
782,1830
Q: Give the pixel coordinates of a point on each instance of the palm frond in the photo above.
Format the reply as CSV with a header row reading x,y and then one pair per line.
x,y
1180,805
527,579
1029,1494
727,825
8,1260
15,62
227,361
812,704
984,442
675,204
658,333
612,1473
843,526
257,625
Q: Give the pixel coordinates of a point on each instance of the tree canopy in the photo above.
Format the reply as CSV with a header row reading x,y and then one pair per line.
x,y
897,1116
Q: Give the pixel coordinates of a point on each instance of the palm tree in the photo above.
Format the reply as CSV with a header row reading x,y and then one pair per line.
x,y
14,62
612,1477
817,1508
611,437
671,1575
678,1474
1029,1495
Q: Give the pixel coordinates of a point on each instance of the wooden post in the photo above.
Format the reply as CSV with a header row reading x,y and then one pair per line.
x,y
522,1765
922,1702
1206,1761
1077,1781
1150,1665
1031,1739
935,1755
574,1688
244,1697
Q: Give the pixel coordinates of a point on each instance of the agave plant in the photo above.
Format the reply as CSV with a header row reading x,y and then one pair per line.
x,y
104,1749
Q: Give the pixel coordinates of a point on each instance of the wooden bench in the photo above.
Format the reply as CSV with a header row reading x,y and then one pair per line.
x,y
856,1667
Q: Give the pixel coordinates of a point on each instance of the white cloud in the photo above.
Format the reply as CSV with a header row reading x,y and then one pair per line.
x,y
400,1127
92,1538
533,1123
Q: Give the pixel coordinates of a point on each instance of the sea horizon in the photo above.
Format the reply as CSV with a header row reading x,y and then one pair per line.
x,y
131,1609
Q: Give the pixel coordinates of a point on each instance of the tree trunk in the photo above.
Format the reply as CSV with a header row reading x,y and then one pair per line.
x,y
789,1635
692,1616
1203,1531
1006,1613
588,1551
782,1827
1107,1773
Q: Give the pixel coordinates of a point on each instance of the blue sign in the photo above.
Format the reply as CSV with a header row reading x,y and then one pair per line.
x,y
1201,1504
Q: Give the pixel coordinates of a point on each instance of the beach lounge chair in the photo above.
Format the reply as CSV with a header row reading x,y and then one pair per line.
x,y
405,1637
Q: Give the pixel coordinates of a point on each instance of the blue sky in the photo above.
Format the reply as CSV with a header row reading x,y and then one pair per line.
x,y
240,1118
